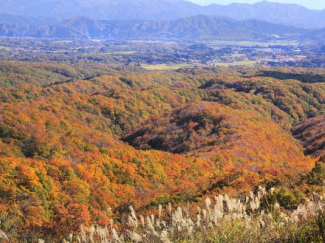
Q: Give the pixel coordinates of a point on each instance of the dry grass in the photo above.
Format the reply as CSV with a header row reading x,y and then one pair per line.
x,y
223,219
3,237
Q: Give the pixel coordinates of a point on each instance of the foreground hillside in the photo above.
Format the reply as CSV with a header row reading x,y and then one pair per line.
x,y
81,152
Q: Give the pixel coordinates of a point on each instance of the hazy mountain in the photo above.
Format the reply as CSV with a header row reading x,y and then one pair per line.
x,y
27,20
316,35
289,14
197,27
103,9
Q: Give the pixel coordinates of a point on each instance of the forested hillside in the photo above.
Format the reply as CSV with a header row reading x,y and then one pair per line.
x,y
194,27
77,151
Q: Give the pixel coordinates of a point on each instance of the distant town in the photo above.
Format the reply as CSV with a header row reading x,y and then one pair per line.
x,y
159,54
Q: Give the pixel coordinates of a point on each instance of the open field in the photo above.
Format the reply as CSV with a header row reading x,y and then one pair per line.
x,y
4,48
243,63
164,66
255,43
124,53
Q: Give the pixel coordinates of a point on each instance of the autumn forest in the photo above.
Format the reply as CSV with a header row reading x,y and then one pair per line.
x,y
82,151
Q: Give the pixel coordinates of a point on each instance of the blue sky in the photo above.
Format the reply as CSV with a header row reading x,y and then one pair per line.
x,y
312,4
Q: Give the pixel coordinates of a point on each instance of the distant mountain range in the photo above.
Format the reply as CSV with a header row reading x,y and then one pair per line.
x,y
287,14
55,10
22,20
197,27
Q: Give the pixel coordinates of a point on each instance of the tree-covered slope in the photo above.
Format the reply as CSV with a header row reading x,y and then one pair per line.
x,y
312,135
195,27
63,153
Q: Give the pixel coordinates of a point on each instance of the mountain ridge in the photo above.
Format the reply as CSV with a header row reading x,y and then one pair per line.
x,y
196,27
288,14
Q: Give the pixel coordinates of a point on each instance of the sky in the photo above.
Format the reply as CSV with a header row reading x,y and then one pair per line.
x,y
312,4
